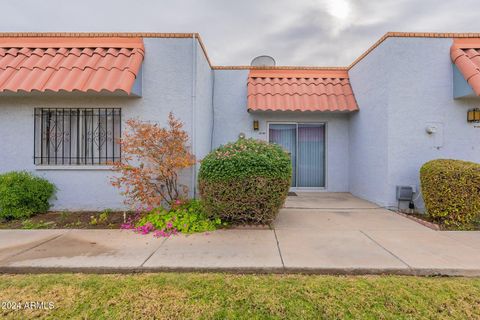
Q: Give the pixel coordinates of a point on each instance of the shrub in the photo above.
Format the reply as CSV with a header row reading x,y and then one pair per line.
x,y
152,158
246,181
451,192
184,217
23,195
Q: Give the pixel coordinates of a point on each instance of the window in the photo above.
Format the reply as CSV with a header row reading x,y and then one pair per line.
x,y
77,136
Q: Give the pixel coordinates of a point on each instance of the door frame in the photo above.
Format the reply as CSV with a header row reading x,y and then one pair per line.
x,y
325,162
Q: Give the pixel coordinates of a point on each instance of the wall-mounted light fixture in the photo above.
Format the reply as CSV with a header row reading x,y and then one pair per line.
x,y
473,115
431,129
256,125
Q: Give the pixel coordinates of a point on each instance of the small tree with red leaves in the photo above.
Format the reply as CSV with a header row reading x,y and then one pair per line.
x,y
152,158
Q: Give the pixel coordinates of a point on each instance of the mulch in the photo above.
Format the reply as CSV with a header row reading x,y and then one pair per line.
x,y
422,219
68,220
427,221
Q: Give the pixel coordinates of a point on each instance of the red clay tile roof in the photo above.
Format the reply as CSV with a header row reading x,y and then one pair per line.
x,y
465,53
69,64
300,90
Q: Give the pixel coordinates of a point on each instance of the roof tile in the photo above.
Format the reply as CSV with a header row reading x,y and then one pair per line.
x,y
465,54
83,64
300,90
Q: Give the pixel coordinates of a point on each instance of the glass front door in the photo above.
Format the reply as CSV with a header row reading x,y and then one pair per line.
x,y
305,142
285,135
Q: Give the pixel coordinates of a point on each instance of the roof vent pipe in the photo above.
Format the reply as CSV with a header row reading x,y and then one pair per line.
x,y
263,61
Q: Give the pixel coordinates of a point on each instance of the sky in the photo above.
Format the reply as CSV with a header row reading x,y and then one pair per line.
x,y
294,32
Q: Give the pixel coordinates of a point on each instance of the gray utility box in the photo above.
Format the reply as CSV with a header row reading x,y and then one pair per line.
x,y
404,193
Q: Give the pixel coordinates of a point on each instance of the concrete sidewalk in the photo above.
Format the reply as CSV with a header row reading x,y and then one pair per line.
x,y
327,233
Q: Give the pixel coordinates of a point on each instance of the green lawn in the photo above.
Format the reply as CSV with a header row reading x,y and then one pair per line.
x,y
220,296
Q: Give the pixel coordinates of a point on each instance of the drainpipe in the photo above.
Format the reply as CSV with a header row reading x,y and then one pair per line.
x,y
194,111
212,132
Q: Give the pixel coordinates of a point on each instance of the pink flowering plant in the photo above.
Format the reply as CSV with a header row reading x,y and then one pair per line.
x,y
183,217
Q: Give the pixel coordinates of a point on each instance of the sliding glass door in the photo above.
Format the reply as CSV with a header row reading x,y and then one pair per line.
x,y
305,142
311,155
286,136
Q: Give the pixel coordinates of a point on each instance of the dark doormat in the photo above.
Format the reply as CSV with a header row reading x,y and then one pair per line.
x,y
292,194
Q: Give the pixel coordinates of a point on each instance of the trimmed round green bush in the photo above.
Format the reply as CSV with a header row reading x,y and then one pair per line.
x,y
245,182
451,192
23,195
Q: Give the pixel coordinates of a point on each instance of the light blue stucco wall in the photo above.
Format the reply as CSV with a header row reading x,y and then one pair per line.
x,y
368,140
168,74
420,96
414,81
232,118
203,106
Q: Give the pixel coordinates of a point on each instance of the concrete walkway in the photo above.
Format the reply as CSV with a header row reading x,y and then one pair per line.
x,y
333,233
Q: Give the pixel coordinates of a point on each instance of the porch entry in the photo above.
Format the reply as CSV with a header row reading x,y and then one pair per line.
x,y
305,142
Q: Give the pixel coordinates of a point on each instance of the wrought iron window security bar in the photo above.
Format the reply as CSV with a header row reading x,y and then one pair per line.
x,y
77,136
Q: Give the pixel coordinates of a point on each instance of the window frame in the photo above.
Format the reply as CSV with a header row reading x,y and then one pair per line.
x,y
91,141
325,123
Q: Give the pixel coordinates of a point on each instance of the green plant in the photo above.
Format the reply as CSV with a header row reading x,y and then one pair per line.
x,y
107,211
93,221
23,195
188,217
76,224
451,192
64,215
29,224
245,182
103,217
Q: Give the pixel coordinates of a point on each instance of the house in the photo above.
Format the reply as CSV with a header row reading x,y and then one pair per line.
x,y
364,129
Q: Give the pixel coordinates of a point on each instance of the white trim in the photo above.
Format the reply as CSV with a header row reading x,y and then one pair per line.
x,y
73,168
325,123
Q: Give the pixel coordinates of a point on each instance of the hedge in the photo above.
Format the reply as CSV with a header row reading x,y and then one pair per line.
x,y
451,192
23,195
245,182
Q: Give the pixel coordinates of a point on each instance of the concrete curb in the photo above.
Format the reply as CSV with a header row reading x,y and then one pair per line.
x,y
427,272
424,223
